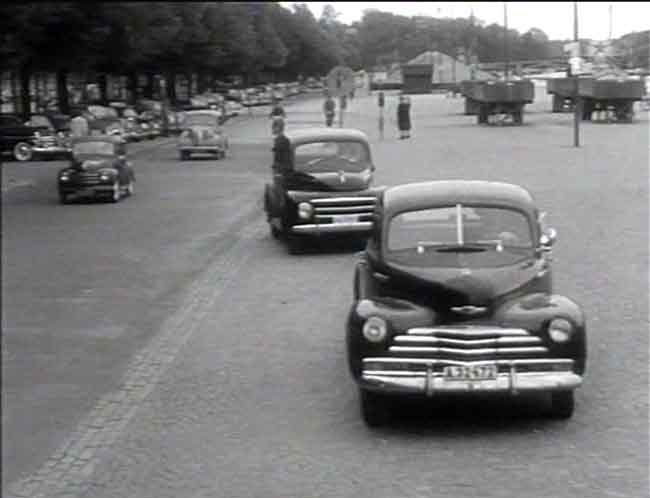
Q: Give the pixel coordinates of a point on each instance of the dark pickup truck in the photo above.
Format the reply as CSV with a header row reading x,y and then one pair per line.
x,y
16,137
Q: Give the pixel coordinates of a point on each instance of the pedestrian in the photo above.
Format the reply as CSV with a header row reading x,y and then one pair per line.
x,y
329,109
276,115
404,117
79,125
277,126
282,160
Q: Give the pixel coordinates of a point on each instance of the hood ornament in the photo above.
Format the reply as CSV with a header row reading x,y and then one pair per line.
x,y
342,176
469,310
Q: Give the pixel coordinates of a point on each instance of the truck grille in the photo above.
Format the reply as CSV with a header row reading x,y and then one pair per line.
x,y
326,209
87,179
468,343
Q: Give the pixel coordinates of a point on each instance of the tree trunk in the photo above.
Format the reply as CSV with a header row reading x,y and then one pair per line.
x,y
103,90
148,89
171,87
25,100
62,91
132,87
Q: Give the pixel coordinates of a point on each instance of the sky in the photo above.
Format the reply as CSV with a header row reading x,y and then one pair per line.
x,y
554,18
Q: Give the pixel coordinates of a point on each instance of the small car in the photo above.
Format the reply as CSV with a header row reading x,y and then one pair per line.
x,y
98,167
19,138
453,294
202,134
328,191
54,140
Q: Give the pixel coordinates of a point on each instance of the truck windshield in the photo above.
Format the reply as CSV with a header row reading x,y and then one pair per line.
x,y
460,235
322,157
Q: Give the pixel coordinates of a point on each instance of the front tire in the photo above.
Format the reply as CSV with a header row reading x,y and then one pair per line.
x,y
64,198
375,411
562,405
23,151
184,155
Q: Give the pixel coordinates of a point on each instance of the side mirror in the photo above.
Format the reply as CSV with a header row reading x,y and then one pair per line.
x,y
548,238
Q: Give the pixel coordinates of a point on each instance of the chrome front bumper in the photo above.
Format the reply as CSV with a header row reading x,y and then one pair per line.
x,y
426,378
39,149
327,228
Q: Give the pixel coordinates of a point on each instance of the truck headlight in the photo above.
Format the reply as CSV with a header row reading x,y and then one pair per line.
x,y
105,176
305,210
374,330
64,177
560,330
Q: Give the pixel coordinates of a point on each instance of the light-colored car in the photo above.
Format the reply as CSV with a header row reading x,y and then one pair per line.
x,y
202,134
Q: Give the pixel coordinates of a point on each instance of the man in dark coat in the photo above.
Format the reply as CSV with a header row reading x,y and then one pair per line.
x,y
404,117
282,161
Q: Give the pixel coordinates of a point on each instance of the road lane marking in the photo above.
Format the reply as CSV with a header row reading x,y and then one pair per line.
x,y
70,467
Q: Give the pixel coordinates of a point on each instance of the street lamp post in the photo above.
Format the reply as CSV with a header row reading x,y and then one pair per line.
x,y
577,107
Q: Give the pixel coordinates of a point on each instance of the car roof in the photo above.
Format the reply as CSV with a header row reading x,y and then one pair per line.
x,y
424,195
307,135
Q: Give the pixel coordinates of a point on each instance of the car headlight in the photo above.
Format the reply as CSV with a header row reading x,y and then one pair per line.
x,y
374,330
64,177
560,330
105,176
305,210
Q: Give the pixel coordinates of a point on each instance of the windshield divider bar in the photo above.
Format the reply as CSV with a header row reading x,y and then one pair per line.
x,y
459,224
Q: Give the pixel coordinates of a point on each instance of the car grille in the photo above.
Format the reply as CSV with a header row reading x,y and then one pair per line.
x,y
326,209
87,179
475,343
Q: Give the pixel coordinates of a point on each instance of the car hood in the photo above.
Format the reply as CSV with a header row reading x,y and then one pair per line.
x,y
91,163
446,287
337,181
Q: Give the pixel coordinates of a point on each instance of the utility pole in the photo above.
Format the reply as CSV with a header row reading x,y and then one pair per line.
x,y
610,22
505,37
577,107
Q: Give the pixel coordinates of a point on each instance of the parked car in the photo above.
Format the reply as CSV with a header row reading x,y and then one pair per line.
x,y
104,120
328,192
18,138
233,108
98,167
202,134
52,140
454,295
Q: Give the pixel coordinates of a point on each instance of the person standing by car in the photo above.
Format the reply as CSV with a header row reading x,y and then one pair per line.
x,y
329,109
79,125
276,115
404,117
282,162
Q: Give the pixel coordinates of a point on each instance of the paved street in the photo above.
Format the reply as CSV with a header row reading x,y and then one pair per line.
x,y
167,346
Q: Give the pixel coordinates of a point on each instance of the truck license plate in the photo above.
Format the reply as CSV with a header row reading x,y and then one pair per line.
x,y
470,372
345,218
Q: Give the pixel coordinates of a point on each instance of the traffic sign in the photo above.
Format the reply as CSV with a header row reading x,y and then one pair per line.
x,y
340,81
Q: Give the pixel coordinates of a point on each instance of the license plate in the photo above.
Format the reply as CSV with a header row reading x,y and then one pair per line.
x,y
470,372
345,218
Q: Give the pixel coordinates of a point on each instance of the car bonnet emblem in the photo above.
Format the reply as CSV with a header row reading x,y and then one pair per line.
x,y
342,176
468,309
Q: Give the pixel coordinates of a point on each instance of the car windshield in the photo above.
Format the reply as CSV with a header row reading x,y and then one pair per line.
x,y
460,236
200,120
94,148
326,156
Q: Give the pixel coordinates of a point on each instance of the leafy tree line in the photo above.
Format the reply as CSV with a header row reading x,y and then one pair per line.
x,y
217,39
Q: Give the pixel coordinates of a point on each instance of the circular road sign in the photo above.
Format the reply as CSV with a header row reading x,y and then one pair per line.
x,y
340,81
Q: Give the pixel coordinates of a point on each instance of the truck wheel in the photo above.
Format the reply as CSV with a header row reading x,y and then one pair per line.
x,y
562,404
374,408
63,198
23,151
294,244
185,155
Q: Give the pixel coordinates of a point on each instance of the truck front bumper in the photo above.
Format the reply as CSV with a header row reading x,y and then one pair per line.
x,y
332,228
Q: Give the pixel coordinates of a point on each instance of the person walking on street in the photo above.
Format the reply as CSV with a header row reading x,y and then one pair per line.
x,y
329,109
277,116
404,117
282,161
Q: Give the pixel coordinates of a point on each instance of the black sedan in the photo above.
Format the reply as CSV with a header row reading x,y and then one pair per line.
x,y
454,295
98,168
